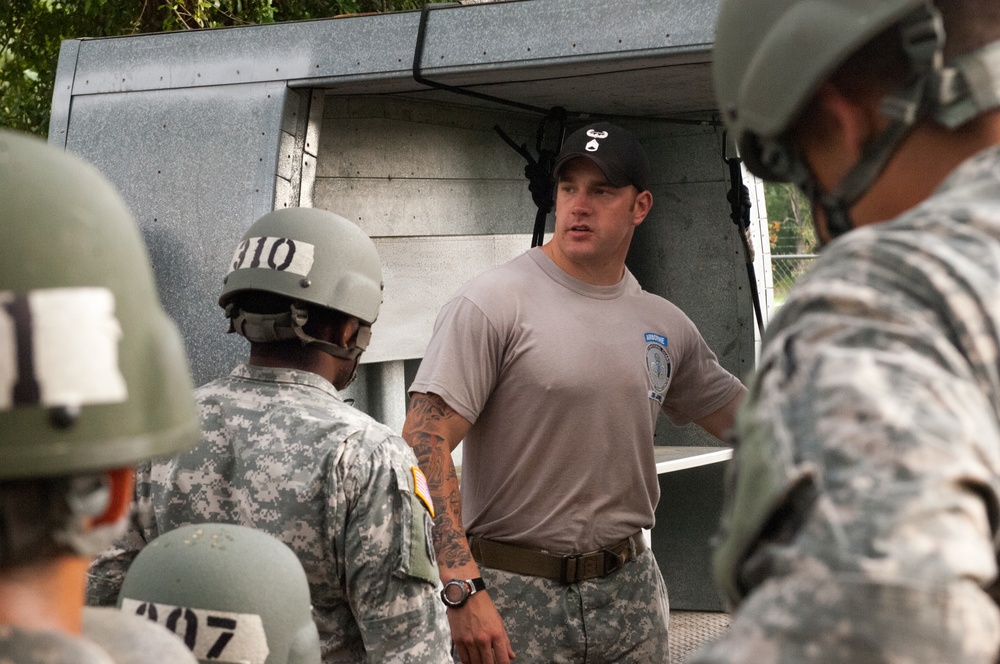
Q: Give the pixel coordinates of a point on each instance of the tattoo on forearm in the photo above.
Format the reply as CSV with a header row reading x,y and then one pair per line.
x,y
427,425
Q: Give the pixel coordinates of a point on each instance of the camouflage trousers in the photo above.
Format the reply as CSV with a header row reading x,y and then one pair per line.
x,y
620,618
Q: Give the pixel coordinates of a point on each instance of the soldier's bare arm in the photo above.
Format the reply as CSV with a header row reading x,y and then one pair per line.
x,y
433,429
720,422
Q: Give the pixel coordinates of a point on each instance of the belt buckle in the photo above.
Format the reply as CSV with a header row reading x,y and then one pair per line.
x,y
571,560
612,561
573,569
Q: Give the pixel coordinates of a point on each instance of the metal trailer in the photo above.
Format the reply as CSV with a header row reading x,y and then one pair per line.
x,y
205,131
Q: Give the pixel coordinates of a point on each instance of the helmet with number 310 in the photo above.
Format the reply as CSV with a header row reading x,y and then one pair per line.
x,y
309,258
233,594
93,374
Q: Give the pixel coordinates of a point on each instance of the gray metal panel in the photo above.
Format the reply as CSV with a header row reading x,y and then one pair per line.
x,y
420,275
374,137
429,207
197,167
686,519
469,45
62,91
401,167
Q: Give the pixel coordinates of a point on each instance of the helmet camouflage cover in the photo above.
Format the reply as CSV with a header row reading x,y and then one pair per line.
x,y
92,372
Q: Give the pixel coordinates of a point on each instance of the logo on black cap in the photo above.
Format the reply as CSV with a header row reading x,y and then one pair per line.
x,y
621,158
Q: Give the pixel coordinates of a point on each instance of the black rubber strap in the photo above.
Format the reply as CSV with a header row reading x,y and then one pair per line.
x,y
739,203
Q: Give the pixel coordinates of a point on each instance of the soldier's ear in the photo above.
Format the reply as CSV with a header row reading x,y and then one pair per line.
x,y
348,330
121,483
641,207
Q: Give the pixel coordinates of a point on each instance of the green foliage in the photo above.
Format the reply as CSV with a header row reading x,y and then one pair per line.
x,y
31,32
789,219
791,233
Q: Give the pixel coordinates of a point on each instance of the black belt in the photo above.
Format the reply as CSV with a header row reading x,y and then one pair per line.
x,y
569,568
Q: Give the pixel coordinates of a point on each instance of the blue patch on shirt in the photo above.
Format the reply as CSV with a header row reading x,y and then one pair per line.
x,y
656,339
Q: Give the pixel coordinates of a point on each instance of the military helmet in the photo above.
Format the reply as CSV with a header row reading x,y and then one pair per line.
x,y
312,256
771,56
92,372
233,594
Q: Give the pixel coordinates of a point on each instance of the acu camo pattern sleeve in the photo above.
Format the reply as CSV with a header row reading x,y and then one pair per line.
x,y
862,508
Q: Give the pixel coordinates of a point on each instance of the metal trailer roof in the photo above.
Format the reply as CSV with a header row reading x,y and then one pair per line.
x,y
194,126
647,58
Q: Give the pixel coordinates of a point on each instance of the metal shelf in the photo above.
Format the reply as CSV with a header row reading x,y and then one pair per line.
x,y
673,458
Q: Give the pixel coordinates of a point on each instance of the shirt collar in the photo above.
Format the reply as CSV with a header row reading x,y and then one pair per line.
x,y
286,376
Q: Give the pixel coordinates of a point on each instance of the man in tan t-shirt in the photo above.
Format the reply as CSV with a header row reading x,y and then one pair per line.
x,y
554,368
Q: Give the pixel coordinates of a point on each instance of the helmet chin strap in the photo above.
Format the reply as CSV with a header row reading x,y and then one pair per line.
x,y
836,205
288,325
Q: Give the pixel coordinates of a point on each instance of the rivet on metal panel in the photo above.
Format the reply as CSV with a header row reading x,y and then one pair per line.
x,y
305,283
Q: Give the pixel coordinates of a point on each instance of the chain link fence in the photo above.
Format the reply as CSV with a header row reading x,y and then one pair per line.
x,y
786,267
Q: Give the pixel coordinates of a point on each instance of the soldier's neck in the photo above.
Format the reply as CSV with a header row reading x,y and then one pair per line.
x,y
291,355
48,596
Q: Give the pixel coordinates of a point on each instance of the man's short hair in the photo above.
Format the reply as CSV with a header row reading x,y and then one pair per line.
x,y
36,514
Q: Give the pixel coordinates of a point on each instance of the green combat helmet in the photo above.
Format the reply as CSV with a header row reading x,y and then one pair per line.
x,y
233,594
311,257
93,374
771,56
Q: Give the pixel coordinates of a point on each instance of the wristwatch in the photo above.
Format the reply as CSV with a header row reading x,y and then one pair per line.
x,y
458,591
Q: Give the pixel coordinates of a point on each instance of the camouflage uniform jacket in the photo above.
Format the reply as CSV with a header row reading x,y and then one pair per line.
x,y
283,453
25,646
862,506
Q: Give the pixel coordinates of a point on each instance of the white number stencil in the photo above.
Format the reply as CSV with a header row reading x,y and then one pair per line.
x,y
59,347
218,636
274,253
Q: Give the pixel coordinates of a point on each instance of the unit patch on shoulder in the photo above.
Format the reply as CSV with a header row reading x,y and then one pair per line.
x,y
422,490
658,365
274,253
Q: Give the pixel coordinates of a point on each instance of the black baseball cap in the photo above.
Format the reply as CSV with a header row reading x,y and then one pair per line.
x,y
615,151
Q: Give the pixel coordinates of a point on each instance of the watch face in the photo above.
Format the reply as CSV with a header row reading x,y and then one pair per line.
x,y
455,592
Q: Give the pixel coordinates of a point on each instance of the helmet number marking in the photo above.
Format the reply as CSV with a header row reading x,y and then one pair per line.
x,y
59,348
219,636
274,253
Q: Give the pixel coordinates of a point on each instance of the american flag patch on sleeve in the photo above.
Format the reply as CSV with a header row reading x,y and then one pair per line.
x,y
422,490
